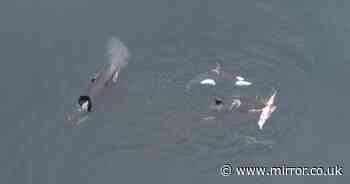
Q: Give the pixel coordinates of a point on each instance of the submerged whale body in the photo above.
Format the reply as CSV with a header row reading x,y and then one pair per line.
x,y
117,57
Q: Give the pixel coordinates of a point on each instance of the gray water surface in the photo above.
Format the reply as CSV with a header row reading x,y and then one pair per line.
x,y
151,130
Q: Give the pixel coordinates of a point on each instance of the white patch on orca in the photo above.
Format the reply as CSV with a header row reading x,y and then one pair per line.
x,y
84,107
208,82
235,103
243,83
239,78
115,77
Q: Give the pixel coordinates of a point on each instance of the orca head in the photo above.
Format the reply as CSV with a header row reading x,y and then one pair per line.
x,y
218,101
85,103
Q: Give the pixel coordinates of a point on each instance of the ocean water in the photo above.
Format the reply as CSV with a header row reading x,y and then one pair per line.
x,y
150,129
